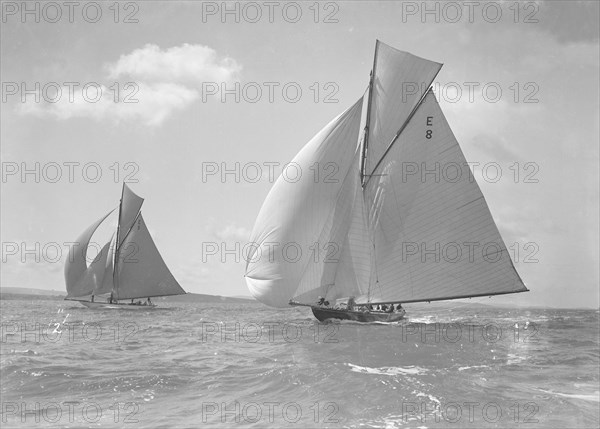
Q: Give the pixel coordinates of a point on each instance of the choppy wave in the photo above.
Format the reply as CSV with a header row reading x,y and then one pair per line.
x,y
245,365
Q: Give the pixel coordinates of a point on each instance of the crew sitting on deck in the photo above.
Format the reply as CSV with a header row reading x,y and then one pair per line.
x,y
350,305
321,301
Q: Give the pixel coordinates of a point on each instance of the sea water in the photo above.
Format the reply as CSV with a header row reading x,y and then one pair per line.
x,y
247,365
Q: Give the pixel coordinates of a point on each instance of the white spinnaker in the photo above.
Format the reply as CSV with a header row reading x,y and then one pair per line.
x,y
76,265
303,221
141,270
354,271
434,234
400,81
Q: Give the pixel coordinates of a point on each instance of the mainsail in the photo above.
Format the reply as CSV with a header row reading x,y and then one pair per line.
x,y
141,270
404,222
434,235
128,266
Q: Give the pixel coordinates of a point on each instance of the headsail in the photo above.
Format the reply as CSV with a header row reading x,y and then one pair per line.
x,y
141,271
76,265
435,237
106,286
96,274
302,222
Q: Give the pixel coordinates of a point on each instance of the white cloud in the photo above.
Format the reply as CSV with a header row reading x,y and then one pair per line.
x,y
150,105
233,233
185,63
154,84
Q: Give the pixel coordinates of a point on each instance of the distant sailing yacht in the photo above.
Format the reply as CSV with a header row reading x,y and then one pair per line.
x,y
395,217
129,269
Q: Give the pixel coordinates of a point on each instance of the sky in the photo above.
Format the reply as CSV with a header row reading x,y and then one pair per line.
x,y
177,93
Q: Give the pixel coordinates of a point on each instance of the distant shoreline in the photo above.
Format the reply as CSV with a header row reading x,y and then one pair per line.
x,y
16,293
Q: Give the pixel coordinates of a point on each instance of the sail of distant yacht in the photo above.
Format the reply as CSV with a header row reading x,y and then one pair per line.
x,y
129,266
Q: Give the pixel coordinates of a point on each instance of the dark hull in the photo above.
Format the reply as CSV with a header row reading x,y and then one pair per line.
x,y
116,306
358,316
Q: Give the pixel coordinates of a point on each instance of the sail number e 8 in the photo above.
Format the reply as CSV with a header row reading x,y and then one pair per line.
x,y
429,123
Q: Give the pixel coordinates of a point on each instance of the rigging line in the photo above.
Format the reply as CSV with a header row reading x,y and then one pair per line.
x,y
365,145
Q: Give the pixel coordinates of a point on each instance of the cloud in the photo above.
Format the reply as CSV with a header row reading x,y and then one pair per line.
x,y
233,233
151,104
155,84
185,63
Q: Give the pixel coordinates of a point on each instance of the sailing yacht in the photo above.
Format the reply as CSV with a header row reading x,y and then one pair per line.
x,y
128,268
402,220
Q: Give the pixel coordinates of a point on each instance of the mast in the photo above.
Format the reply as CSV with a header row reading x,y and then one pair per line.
x,y
365,144
117,247
120,240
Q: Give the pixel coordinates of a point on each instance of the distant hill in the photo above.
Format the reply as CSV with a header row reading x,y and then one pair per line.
x,y
31,293
199,297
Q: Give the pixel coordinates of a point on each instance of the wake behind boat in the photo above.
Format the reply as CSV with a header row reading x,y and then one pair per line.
x,y
400,220
128,268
